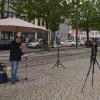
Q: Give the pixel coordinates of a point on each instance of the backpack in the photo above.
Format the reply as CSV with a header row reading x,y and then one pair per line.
x,y
3,77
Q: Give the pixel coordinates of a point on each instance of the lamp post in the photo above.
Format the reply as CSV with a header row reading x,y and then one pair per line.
x,y
77,21
76,26
8,9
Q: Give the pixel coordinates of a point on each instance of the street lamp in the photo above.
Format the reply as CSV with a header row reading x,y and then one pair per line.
x,y
77,21
8,9
76,26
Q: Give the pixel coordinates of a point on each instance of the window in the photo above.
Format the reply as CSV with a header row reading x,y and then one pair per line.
x,y
9,14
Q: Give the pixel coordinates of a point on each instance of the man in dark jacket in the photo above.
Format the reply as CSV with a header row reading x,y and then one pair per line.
x,y
15,57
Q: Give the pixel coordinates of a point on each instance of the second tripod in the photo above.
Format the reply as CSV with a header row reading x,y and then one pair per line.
x,y
92,63
58,60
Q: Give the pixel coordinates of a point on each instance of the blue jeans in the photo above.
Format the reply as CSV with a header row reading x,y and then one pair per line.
x,y
14,65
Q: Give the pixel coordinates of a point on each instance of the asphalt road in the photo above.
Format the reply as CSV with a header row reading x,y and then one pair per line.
x,y
4,55
38,57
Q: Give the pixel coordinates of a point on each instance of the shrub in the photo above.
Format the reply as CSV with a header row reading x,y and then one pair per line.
x,y
88,43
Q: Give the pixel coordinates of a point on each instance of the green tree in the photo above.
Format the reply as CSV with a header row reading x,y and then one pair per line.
x,y
18,6
2,8
88,15
98,14
85,14
49,10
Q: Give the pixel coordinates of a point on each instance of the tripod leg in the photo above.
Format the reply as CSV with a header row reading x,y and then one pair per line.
x,y
93,72
54,65
26,73
26,69
61,64
57,63
86,77
97,63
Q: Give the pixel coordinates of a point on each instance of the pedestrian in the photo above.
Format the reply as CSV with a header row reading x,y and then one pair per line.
x,y
15,57
94,49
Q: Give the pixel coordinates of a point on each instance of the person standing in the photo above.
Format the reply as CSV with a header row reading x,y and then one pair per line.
x,y
15,57
94,49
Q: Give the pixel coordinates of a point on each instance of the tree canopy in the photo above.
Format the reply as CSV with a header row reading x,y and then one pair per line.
x,y
1,7
49,10
84,12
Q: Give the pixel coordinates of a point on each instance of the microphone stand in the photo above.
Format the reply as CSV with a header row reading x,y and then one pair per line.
x,y
26,65
58,59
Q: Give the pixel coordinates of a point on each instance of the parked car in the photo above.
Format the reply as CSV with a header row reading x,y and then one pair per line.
x,y
35,44
68,43
80,43
5,43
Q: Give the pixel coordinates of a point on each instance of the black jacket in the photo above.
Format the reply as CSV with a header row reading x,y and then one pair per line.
x,y
94,48
15,51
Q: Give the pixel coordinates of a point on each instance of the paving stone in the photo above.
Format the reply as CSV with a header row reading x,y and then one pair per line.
x,y
45,83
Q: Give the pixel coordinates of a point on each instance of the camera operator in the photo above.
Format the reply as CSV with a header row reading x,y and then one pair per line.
x,y
94,49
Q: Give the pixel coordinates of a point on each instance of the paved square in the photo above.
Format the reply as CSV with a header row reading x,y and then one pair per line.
x,y
45,83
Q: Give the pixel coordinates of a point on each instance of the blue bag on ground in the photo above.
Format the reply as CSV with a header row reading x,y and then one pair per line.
x,y
3,78
3,74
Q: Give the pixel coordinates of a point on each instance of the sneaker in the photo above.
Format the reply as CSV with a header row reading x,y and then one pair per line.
x,y
17,80
13,82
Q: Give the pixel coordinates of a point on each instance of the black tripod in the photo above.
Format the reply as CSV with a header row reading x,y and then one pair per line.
x,y
92,63
58,60
26,65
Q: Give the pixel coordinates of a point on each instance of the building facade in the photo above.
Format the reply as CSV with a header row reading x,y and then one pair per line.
x,y
8,12
63,28
92,34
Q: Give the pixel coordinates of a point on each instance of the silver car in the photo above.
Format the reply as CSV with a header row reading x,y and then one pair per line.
x,y
36,44
69,43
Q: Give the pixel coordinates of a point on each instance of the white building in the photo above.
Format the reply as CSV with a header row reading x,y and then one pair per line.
x,y
63,32
92,34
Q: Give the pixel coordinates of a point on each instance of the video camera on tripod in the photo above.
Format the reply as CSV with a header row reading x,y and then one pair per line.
x,y
93,49
92,61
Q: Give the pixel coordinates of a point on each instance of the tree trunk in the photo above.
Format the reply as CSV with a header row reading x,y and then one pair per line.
x,y
87,33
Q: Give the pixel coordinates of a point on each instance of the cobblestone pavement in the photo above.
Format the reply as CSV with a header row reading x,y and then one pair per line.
x,y
45,83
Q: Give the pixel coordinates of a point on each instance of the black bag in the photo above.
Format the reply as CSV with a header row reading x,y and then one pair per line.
x,y
3,77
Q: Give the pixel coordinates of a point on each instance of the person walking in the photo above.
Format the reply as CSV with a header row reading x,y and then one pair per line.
x,y
15,57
